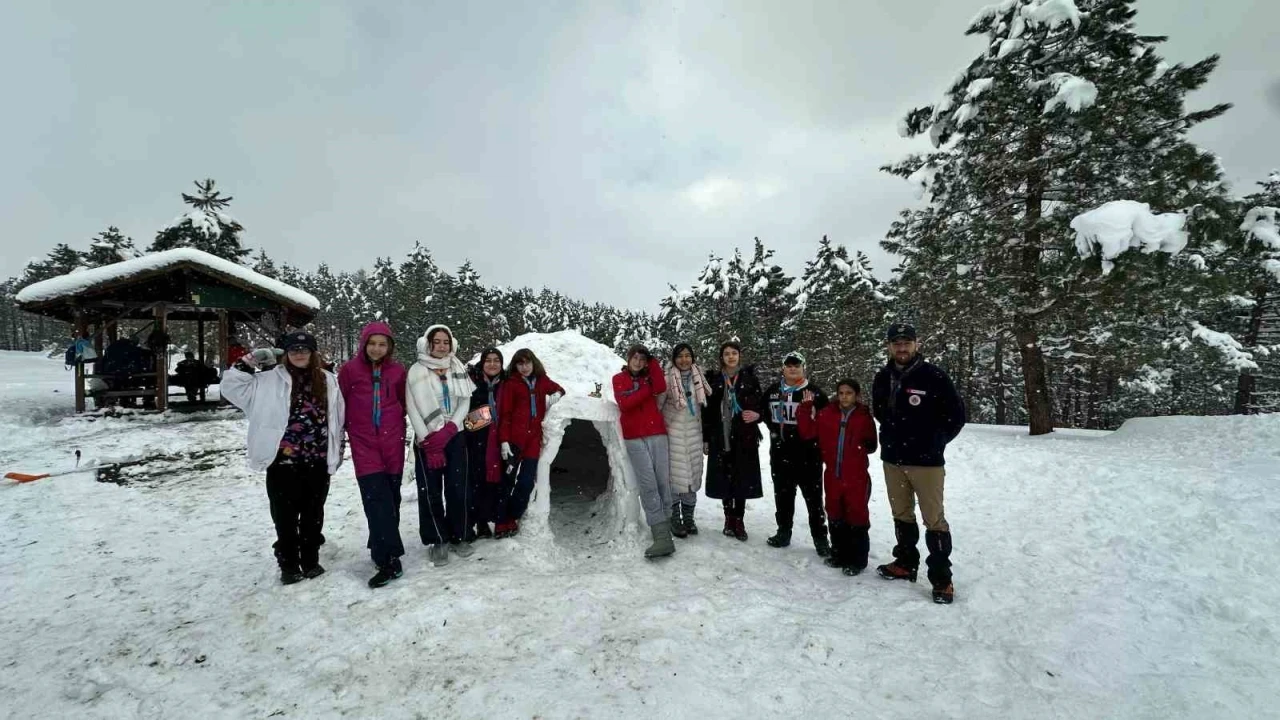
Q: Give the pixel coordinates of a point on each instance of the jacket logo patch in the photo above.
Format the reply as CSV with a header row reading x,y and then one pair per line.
x,y
916,392
914,400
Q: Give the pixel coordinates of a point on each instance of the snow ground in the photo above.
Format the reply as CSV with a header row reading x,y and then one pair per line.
x,y
1097,574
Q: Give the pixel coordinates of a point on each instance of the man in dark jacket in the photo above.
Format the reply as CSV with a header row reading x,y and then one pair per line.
x,y
919,412
794,461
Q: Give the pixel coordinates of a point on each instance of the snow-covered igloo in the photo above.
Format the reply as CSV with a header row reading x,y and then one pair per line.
x,y
585,492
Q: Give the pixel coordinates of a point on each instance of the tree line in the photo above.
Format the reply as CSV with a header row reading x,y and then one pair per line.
x,y
1067,108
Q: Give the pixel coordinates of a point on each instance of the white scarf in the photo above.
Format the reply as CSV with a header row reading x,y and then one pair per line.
x,y
428,400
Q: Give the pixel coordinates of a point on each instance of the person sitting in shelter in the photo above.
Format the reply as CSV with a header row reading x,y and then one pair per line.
x,y
192,375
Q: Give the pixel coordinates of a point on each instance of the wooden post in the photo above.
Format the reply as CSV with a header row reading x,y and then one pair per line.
x,y
223,349
162,360
97,337
200,352
81,331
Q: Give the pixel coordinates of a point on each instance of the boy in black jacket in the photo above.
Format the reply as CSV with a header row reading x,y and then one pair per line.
x,y
793,461
919,412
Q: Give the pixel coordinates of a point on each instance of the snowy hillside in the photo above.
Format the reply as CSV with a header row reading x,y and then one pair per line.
x,y
1098,575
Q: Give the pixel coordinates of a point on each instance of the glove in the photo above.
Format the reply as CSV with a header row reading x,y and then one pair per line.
x,y
435,444
750,416
506,451
262,357
553,398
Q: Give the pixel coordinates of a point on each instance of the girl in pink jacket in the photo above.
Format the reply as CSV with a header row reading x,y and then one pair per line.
x,y
373,387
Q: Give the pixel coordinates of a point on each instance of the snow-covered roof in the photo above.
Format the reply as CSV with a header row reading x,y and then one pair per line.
x,y
78,283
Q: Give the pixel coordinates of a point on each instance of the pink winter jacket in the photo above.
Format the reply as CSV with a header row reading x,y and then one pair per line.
x,y
374,450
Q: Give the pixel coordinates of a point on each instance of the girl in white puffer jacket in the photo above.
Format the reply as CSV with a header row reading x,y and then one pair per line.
x,y
682,407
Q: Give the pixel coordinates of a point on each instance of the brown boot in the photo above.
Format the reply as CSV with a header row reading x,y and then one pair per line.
x,y
894,571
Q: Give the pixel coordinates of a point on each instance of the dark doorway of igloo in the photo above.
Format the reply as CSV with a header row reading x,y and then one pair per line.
x,y
579,476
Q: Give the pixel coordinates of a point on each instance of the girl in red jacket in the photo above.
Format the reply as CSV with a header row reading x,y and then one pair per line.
x,y
373,386
525,398
636,390
846,435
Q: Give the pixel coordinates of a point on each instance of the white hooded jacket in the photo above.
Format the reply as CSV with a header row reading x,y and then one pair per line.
x,y
264,398
425,396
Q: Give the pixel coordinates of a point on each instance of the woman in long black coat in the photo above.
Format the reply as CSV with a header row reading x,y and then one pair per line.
x,y
731,437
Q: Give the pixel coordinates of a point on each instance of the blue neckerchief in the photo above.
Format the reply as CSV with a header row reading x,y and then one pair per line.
x,y
377,397
493,399
532,381
729,382
788,389
844,421
444,392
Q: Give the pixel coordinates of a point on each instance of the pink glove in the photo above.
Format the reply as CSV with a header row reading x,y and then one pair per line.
x,y
435,444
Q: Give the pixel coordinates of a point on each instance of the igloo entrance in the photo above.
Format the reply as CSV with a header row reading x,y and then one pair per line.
x,y
579,477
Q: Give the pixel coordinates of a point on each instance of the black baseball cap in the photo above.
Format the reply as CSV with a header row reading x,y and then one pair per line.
x,y
297,339
899,331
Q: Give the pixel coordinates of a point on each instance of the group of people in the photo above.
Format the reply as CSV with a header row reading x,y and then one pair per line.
x,y
477,434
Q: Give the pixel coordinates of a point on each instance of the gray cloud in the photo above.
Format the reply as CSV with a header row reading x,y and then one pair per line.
x,y
601,149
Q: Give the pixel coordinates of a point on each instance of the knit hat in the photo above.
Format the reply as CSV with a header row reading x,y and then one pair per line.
x,y
297,339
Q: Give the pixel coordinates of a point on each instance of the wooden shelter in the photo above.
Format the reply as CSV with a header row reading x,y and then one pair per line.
x,y
174,285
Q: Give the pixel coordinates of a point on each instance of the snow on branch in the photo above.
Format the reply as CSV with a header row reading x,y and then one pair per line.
x,y
1262,224
1112,228
1075,92
1230,348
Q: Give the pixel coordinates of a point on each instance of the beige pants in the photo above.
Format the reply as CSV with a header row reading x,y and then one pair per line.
x,y
905,483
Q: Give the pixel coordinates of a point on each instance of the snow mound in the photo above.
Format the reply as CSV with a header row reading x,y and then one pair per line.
x,y
1246,433
571,359
1114,227
84,281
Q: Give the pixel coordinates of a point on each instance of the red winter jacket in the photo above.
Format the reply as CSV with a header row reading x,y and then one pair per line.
x,y
859,440
381,449
637,398
516,425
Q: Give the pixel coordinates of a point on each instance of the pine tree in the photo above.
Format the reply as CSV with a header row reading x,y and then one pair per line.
x,y
1067,108
205,227
264,265
110,246
1256,270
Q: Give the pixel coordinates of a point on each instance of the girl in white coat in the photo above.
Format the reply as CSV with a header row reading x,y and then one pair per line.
x,y
439,399
295,416
682,407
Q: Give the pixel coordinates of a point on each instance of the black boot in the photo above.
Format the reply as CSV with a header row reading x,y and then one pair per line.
x,y
839,548
396,568
290,573
939,563
858,542
739,527
483,531
729,523
677,522
313,571
384,576
781,540
820,543
690,527
906,556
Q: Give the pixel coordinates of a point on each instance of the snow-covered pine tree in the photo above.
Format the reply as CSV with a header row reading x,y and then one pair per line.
x,y
109,247
414,303
264,265
1067,108
837,316
206,226
1257,272
767,299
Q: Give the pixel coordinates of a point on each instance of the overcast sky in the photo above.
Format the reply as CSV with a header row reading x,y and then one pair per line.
x,y
600,148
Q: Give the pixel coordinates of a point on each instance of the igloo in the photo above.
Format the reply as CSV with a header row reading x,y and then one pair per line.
x,y
585,492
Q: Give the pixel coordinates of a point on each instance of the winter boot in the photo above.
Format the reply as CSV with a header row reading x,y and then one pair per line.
x,y
739,529
501,530
314,571
677,522
781,540
462,549
839,546
821,546
384,576
396,569
483,531
690,527
729,524
944,594
515,528
939,558
858,544
662,545
438,555
290,575
894,571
